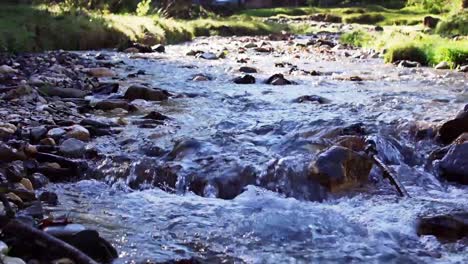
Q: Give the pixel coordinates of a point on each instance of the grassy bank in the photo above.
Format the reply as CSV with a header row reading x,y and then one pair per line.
x,y
428,49
38,28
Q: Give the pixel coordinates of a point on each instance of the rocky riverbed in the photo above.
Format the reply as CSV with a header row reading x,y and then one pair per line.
x,y
233,150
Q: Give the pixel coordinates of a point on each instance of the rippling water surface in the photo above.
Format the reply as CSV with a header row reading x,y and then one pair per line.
x,y
251,132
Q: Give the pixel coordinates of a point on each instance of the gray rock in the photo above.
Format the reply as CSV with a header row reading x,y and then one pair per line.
x,y
73,148
56,133
62,92
37,133
447,228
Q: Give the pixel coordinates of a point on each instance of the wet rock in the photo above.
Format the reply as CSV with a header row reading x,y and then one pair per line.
x,y
95,123
37,133
264,49
106,88
111,104
18,92
62,92
430,22
246,69
281,36
339,169
201,78
73,148
8,154
245,79
38,180
156,116
99,72
454,166
312,99
49,198
15,172
447,228
442,66
452,129
158,48
378,28
463,68
56,133
278,79
409,64
142,92
194,52
47,142
209,56
34,210
355,143
78,132
131,50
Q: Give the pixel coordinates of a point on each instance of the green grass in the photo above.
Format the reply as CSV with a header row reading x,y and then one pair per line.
x,y
38,28
411,45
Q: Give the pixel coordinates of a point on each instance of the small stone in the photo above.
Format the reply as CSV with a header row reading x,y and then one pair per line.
x,y
246,79
78,132
73,148
14,198
156,116
409,64
131,50
442,66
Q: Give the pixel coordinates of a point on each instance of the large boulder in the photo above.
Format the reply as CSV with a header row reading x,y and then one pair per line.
x,y
447,228
452,129
431,22
340,168
454,166
142,92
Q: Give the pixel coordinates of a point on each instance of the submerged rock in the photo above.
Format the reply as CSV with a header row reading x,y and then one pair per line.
x,y
142,92
409,64
311,98
454,166
246,79
340,168
278,79
447,228
246,69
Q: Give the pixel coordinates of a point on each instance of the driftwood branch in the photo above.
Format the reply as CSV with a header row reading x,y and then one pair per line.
x,y
17,229
393,178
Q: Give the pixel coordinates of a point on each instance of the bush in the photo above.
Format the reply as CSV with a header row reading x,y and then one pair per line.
x,y
453,55
406,52
356,38
455,25
365,19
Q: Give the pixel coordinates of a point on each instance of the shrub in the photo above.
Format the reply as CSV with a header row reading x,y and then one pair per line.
x,y
356,38
453,55
455,25
365,19
406,52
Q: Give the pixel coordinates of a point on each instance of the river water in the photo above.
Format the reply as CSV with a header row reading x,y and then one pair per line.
x,y
157,194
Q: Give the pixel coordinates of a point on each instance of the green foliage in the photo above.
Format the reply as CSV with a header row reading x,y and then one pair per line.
x,y
453,55
357,38
369,19
456,24
406,52
143,7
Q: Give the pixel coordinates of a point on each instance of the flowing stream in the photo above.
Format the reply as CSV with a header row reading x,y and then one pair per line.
x,y
251,145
